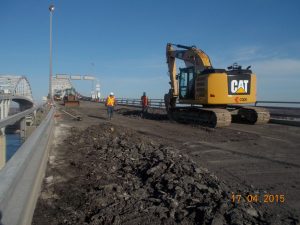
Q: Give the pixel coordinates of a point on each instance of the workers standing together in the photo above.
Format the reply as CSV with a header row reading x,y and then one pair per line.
x,y
110,104
145,104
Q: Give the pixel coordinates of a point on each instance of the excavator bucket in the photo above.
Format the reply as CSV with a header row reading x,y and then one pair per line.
x,y
71,103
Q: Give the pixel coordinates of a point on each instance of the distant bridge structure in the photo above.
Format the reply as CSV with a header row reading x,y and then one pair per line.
x,y
61,82
17,89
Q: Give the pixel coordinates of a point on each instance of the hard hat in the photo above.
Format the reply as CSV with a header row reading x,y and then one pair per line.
x,y
111,93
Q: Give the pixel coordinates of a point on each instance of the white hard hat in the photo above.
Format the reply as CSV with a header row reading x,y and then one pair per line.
x,y
111,93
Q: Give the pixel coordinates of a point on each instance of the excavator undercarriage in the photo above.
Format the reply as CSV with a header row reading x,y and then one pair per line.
x,y
219,117
204,116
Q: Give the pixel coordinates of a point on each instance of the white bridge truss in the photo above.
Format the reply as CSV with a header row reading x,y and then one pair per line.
x,y
61,82
14,88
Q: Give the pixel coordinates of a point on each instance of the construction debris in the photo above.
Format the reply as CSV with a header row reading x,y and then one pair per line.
x,y
117,176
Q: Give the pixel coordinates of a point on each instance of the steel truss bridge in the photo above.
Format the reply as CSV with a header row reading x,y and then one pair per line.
x,y
61,82
17,89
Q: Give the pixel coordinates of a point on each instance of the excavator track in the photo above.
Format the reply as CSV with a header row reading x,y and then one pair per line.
x,y
254,115
209,117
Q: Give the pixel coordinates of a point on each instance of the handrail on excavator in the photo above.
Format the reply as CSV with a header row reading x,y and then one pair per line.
x,y
183,46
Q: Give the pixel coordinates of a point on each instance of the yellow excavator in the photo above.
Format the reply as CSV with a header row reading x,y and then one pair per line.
x,y
209,96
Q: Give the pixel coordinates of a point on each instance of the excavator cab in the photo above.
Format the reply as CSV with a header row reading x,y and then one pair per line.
x,y
187,83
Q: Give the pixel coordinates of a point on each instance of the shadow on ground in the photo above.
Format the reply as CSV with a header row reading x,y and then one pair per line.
x,y
97,117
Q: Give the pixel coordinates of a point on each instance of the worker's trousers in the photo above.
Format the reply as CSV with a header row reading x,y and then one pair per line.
x,y
144,111
110,111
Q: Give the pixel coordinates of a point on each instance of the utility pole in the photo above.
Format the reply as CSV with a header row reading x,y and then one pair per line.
x,y
51,9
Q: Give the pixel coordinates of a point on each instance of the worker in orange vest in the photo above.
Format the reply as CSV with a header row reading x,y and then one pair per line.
x,y
145,104
110,104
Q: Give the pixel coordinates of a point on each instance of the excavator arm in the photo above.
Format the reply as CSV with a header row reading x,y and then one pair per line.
x,y
191,57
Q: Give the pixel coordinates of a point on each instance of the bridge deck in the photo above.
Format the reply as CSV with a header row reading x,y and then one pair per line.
x,y
262,159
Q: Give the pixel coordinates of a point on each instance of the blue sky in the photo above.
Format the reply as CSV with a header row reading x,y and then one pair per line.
x,y
122,43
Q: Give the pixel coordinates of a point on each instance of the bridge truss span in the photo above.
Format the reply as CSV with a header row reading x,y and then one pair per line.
x,y
15,86
17,89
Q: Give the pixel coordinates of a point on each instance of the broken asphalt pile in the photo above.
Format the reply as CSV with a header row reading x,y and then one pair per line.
x,y
152,114
121,177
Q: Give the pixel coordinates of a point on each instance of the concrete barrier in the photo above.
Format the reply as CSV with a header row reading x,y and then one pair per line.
x,y
21,178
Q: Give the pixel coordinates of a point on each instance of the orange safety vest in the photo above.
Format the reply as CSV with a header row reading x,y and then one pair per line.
x,y
110,101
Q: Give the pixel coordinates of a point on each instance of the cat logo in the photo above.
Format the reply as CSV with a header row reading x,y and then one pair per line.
x,y
239,84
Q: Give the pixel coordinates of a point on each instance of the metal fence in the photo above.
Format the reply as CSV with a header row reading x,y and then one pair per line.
x,y
153,103
278,109
159,103
14,118
278,103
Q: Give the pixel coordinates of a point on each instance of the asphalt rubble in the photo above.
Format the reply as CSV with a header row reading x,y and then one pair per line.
x,y
118,176
151,114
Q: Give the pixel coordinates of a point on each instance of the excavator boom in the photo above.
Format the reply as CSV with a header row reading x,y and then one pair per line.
x,y
191,56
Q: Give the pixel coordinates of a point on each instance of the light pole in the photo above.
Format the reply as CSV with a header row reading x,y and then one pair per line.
x,y
51,9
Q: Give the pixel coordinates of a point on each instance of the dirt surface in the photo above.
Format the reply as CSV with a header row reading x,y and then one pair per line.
x,y
152,171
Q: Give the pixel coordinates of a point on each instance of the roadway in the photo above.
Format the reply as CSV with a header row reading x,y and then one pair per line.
x,y
259,159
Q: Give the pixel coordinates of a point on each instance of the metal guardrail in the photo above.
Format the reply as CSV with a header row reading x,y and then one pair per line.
x,y
14,118
282,112
5,96
277,102
22,176
286,113
159,103
153,103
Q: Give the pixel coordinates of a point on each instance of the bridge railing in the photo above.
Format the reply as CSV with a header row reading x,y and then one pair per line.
x,y
282,109
159,103
22,176
153,103
14,118
283,104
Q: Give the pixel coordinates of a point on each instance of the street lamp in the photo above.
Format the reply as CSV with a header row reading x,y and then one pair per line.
x,y
51,9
